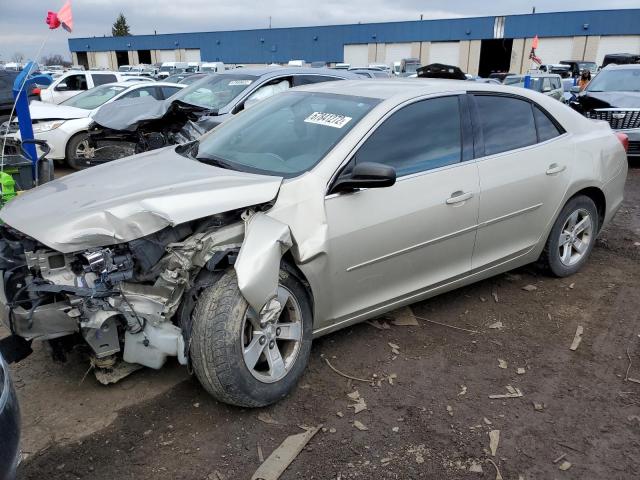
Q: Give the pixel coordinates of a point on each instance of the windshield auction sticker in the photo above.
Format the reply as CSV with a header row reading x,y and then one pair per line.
x,y
239,82
328,119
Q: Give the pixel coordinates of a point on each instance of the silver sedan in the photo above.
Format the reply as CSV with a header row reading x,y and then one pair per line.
x,y
313,210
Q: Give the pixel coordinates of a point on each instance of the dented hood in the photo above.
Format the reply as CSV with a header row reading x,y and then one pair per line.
x,y
130,198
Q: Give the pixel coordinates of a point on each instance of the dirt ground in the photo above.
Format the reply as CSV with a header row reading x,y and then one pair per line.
x,y
433,422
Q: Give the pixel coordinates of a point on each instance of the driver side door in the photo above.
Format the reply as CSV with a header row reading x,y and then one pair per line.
x,y
394,243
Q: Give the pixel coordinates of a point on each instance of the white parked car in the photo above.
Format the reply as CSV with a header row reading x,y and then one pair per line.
x,y
73,82
64,126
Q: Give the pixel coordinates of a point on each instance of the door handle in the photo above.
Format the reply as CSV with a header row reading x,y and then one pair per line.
x,y
459,197
555,168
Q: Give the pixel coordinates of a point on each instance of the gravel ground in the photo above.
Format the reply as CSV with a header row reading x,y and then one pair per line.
x,y
431,421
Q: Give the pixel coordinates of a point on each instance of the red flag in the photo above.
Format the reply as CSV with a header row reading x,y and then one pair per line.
x,y
534,44
64,17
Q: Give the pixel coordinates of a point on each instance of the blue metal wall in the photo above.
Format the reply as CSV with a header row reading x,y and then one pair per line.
x,y
326,43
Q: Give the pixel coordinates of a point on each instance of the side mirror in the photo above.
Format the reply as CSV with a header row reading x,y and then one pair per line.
x,y
366,175
575,89
62,86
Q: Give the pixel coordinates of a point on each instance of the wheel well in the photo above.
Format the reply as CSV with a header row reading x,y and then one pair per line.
x,y
288,263
66,147
598,198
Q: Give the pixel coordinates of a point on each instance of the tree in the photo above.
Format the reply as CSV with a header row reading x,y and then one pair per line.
x,y
54,59
17,57
120,27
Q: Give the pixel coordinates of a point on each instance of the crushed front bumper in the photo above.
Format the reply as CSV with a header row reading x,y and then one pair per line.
x,y
44,322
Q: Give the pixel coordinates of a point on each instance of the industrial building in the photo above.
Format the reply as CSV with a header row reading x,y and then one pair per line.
x,y
477,45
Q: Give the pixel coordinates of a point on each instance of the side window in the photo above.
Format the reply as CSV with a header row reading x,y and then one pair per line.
x,y
102,78
557,83
142,92
546,84
73,82
309,79
168,91
545,127
419,137
506,122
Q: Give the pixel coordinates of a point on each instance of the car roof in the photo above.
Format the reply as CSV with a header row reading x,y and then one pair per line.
x,y
626,66
143,83
407,88
536,75
268,71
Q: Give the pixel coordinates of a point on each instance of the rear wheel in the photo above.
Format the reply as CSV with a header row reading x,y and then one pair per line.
x,y
572,237
239,361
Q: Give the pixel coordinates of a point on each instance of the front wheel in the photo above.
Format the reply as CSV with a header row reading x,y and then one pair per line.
x,y
236,359
572,237
78,152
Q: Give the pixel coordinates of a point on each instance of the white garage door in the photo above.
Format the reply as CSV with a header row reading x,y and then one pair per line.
x,y
445,52
192,55
166,56
554,50
617,44
356,55
102,60
394,52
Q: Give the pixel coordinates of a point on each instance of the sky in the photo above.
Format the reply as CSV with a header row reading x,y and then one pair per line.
x,y
22,26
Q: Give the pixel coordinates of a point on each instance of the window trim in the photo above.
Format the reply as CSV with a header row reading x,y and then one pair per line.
x,y
465,132
479,136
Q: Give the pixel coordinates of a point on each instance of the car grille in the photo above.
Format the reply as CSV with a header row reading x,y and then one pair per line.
x,y
634,148
618,119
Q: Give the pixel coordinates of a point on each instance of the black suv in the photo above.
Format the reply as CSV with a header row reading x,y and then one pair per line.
x,y
620,59
6,93
614,96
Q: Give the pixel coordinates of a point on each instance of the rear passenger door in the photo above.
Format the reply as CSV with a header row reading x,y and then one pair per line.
x,y
524,166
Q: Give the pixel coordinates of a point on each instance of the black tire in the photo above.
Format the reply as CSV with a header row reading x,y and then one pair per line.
x,y
217,348
552,255
75,162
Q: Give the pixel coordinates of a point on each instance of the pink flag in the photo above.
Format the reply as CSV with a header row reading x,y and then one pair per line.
x,y
64,17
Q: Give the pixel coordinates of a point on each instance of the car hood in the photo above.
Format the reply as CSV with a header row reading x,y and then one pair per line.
x,y
130,198
589,100
50,111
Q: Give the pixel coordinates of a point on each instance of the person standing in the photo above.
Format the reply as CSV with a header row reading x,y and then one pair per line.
x,y
584,80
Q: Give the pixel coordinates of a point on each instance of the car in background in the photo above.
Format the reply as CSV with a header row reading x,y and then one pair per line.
x,y
563,70
193,78
64,127
312,211
200,107
137,78
381,66
342,66
578,66
620,59
407,67
500,76
211,67
613,95
7,78
547,83
9,424
169,68
369,72
73,82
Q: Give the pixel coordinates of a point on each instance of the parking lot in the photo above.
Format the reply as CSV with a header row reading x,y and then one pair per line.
x,y
428,412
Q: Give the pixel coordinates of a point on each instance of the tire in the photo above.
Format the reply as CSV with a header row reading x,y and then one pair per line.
x,y
222,330
562,255
73,160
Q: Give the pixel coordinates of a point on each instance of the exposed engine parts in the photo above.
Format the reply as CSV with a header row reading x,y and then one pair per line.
x,y
122,299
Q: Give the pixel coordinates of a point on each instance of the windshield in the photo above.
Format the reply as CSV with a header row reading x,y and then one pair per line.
x,y
591,66
165,68
517,81
624,80
94,97
285,135
215,91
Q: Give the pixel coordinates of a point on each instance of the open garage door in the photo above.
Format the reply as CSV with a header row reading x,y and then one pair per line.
x,y
394,52
166,56
356,55
554,50
447,53
103,60
616,44
192,55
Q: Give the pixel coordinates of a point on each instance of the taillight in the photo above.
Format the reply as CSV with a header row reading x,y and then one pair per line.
x,y
36,91
624,140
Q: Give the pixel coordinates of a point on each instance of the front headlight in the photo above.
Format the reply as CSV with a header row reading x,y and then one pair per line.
x,y
46,126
